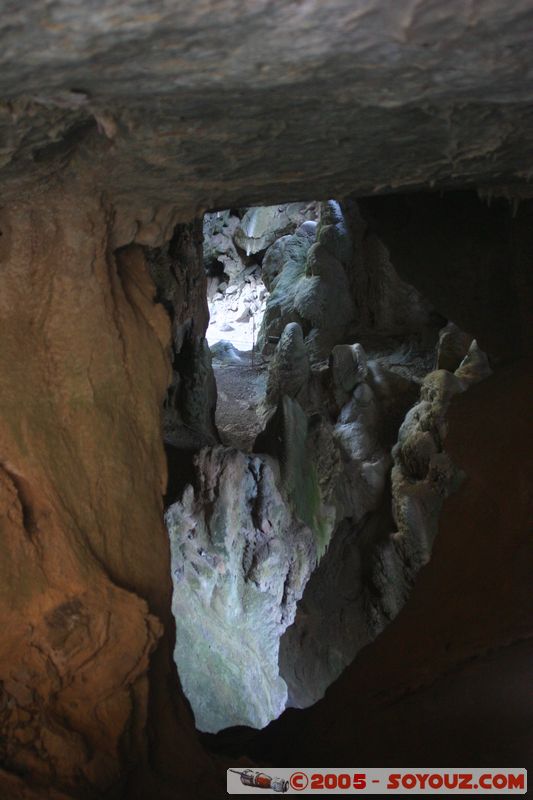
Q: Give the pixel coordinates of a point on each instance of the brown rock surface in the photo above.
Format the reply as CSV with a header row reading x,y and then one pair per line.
x,y
85,576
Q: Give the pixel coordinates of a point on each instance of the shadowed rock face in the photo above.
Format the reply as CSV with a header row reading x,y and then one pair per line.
x,y
470,256
180,103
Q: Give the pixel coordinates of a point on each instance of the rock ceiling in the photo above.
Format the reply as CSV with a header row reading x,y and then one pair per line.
x,y
215,102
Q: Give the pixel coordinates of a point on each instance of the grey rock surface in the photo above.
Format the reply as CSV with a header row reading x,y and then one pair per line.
x,y
181,103
353,461
289,371
474,367
332,622
348,368
224,352
287,265
323,296
219,247
240,561
309,284
422,476
374,556
284,249
288,437
334,277
262,225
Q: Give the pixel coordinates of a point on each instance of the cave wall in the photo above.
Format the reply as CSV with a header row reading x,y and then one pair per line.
x,y
447,680
470,255
85,588
178,273
91,701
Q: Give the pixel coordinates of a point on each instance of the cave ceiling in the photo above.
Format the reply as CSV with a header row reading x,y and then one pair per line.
x,y
214,103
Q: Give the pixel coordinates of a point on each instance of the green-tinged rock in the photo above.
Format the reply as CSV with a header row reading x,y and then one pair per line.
x,y
286,437
240,561
307,274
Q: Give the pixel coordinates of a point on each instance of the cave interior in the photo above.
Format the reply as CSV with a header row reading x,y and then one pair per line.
x,y
265,382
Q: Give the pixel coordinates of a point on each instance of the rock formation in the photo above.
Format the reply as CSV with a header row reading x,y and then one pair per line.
x,y
260,227
369,570
85,601
335,279
178,274
240,561
219,248
374,557
243,252
312,286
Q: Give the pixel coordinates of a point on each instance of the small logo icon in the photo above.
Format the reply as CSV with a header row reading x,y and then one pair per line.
x,y
260,780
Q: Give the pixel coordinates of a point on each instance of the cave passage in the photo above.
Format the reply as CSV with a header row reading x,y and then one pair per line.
x,y
236,297
318,475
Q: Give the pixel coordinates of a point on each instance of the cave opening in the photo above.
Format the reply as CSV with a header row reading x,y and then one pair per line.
x,y
243,255
310,415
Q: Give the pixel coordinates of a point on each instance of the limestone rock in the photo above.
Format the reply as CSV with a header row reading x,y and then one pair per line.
x,y
177,271
219,251
116,125
190,419
452,347
335,617
262,225
366,462
73,90
236,311
423,475
289,370
280,310
440,650
287,438
289,247
333,232
310,286
348,368
475,365
225,352
368,571
323,294
85,571
331,623
240,561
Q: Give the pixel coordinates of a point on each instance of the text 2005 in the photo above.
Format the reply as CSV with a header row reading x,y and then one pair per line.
x,y
343,781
